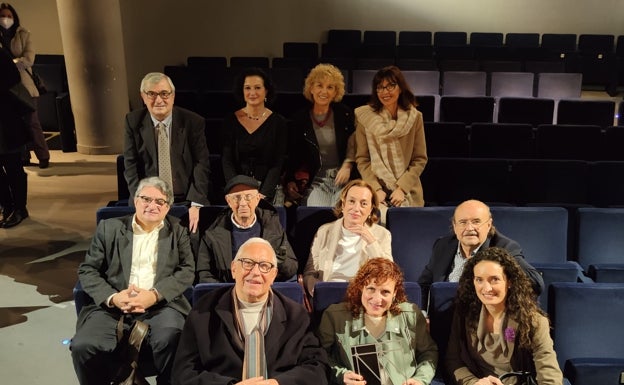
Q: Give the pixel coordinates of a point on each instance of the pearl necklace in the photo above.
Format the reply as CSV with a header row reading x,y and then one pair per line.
x,y
249,116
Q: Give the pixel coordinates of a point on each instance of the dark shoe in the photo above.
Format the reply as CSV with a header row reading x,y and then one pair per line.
x,y
16,217
44,163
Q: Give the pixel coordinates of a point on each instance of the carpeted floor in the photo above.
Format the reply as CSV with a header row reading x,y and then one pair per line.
x,y
38,261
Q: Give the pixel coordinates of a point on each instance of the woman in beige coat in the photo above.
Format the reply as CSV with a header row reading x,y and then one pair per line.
x,y
341,247
390,141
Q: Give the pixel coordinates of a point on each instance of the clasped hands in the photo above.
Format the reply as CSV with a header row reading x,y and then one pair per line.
x,y
397,197
134,299
489,380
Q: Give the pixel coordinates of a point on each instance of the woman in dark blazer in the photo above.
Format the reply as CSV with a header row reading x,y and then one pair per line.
x,y
322,148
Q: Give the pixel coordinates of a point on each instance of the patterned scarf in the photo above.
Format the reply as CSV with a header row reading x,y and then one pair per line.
x,y
383,136
254,363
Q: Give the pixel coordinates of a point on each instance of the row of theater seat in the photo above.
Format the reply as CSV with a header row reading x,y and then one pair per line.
x,y
585,318
507,181
585,244
523,141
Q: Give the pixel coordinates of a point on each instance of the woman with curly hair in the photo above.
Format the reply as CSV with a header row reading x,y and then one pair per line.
x,y
376,315
322,148
340,247
497,326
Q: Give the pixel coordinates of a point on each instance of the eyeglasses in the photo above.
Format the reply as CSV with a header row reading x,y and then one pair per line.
x,y
147,200
476,223
388,87
248,264
239,197
163,94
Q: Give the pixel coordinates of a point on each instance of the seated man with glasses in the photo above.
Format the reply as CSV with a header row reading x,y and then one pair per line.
x,y
248,333
247,216
473,229
137,267
169,142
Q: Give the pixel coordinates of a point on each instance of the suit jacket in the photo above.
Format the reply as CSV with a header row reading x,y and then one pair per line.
x,y
215,248
323,251
190,165
462,358
106,268
444,249
210,351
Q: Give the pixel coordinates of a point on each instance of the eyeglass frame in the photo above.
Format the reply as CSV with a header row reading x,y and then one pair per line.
x,y
253,263
237,198
164,95
160,202
388,87
475,222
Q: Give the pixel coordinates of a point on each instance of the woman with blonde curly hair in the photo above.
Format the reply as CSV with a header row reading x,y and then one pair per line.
x,y
340,247
321,150
497,326
376,313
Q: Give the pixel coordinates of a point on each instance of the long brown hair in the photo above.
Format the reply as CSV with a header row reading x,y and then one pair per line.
x,y
520,302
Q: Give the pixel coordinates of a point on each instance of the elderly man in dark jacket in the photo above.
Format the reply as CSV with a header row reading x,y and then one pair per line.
x,y
247,216
473,229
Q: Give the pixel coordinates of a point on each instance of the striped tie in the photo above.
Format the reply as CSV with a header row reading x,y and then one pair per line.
x,y
164,160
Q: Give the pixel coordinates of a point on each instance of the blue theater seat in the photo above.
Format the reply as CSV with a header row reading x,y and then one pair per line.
x,y
587,331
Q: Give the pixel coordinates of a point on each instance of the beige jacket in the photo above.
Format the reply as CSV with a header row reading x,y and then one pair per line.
x,y
414,150
321,260
23,50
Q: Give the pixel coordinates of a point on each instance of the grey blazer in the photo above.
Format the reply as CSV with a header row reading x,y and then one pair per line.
x,y
106,268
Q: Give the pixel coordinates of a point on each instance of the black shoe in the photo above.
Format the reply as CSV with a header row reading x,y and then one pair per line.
x,y
44,163
16,217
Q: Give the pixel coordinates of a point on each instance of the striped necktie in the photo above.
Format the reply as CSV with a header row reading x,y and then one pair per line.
x,y
164,160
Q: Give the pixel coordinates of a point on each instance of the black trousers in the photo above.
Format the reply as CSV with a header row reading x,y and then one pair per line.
x,y
13,182
94,346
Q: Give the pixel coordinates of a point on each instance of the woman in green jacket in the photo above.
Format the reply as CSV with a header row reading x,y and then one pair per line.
x,y
376,318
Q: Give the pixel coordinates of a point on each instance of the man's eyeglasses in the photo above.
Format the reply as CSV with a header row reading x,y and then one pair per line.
x,y
237,198
475,223
163,94
248,264
147,200
388,87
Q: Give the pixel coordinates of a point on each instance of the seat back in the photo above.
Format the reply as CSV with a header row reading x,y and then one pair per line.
x,y
573,309
414,230
542,232
423,82
586,112
600,238
513,84
534,111
501,140
467,109
559,85
307,222
464,83
120,211
362,81
440,312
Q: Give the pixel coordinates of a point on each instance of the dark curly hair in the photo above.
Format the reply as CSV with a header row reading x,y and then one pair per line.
x,y
520,301
393,75
377,270
239,84
374,215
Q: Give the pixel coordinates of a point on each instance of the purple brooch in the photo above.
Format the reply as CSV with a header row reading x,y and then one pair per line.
x,y
510,334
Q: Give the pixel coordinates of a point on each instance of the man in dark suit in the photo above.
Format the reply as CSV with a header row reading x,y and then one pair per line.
x,y
247,216
188,166
137,267
473,229
249,333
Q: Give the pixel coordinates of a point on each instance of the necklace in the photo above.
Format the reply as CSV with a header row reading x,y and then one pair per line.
x,y
249,116
322,122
